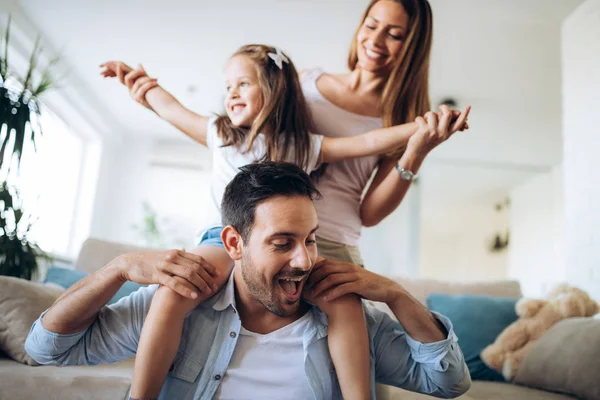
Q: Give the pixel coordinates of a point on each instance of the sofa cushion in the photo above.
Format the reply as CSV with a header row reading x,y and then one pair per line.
x,y
565,359
481,390
422,288
49,382
95,253
21,303
477,321
64,278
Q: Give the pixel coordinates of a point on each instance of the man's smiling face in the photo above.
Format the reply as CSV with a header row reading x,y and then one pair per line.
x,y
280,252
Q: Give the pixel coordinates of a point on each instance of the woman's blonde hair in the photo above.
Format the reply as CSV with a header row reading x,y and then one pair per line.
x,y
406,91
285,114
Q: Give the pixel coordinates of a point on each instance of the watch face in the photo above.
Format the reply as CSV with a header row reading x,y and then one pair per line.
x,y
406,175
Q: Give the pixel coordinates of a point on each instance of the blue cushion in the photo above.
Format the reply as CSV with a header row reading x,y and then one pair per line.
x,y
67,277
477,321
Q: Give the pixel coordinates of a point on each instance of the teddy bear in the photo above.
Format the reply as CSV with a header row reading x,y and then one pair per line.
x,y
536,316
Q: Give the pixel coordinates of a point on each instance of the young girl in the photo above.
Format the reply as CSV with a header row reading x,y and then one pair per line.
x,y
266,119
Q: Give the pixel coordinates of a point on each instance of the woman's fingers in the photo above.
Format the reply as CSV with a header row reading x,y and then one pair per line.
x,y
421,123
141,86
141,94
444,122
432,121
461,120
138,83
131,77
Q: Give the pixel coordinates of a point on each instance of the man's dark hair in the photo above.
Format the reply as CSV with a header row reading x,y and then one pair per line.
x,y
256,183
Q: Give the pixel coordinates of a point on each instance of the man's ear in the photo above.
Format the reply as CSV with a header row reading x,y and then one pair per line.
x,y
232,241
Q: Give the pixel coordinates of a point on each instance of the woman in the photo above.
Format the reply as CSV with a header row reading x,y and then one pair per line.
x,y
387,85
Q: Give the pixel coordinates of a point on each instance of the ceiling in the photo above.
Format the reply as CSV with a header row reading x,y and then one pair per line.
x,y
502,57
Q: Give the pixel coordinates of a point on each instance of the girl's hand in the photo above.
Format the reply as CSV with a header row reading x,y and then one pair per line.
x,y
111,69
137,80
436,128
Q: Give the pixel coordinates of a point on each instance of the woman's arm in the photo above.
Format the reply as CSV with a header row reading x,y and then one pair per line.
x,y
388,189
371,143
147,92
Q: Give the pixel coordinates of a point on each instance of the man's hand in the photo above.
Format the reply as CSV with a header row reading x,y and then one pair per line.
x,y
335,278
184,272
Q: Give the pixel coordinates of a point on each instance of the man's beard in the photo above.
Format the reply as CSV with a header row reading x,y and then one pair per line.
x,y
265,293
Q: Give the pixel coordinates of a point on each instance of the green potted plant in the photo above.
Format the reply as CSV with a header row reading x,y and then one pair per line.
x,y
19,108
19,256
19,121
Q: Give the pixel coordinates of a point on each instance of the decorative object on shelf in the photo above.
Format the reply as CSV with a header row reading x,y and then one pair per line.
x,y
148,230
157,231
501,239
19,122
449,101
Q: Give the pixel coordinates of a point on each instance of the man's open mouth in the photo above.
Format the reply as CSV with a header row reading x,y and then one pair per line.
x,y
291,286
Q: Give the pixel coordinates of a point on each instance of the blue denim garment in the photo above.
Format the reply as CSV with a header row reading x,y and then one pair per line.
x,y
212,237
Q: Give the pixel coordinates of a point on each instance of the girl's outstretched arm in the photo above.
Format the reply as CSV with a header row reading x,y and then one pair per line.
x,y
150,94
380,141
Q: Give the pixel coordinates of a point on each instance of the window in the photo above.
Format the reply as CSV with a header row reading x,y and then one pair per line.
x,y
48,183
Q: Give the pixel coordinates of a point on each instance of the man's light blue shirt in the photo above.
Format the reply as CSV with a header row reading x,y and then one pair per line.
x,y
211,332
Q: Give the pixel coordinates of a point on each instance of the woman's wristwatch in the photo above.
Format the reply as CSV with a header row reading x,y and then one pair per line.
x,y
406,174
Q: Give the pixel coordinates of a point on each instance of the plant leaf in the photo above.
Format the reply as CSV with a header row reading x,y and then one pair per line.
x,y
6,197
46,81
5,143
32,64
18,257
4,64
20,120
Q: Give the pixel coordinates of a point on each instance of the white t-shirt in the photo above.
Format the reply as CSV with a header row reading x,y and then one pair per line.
x,y
227,161
268,366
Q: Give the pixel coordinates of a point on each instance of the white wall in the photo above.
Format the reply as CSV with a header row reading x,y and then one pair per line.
x,y
169,176
536,252
581,119
455,245
392,247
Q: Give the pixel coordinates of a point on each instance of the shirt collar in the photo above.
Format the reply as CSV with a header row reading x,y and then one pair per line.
x,y
226,298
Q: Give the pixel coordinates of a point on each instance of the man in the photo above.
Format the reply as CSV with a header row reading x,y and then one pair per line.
x,y
270,224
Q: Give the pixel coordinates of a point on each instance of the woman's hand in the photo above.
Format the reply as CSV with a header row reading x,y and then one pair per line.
x,y
436,128
137,80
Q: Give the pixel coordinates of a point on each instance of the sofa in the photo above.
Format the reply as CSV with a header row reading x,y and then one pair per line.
x,y
20,381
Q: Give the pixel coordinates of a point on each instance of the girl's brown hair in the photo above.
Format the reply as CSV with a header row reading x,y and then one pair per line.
x,y
406,92
285,114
